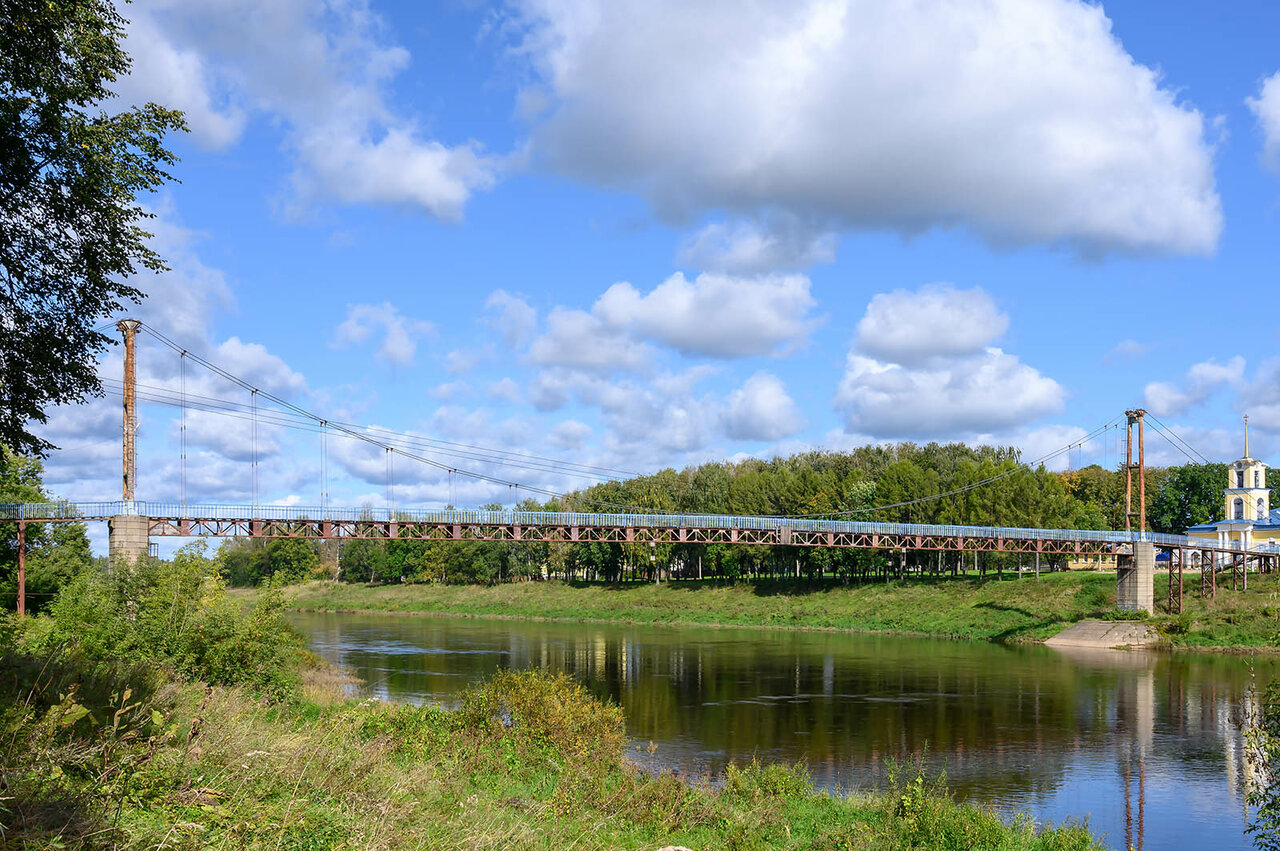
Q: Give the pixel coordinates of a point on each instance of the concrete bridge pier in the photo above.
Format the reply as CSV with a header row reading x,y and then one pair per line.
x,y
128,537
1135,578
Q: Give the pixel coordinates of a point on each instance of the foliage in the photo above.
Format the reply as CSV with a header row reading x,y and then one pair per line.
x,y
178,614
55,552
70,174
996,491
551,711
1263,752
1188,496
249,562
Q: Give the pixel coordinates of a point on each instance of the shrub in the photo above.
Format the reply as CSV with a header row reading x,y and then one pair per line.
x,y
549,713
1263,752
178,614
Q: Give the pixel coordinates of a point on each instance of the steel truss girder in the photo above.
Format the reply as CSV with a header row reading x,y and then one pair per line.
x,y
642,535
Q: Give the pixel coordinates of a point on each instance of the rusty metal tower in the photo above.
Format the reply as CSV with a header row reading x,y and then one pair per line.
x,y
129,330
1135,418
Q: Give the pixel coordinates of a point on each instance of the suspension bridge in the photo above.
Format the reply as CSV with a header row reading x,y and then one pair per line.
x,y
132,522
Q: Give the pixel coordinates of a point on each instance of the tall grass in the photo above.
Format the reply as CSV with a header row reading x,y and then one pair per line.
x,y
527,761
147,710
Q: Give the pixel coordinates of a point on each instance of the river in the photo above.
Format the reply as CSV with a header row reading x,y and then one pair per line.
x,y
1147,747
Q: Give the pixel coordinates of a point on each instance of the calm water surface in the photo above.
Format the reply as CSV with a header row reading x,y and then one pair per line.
x,y
1147,747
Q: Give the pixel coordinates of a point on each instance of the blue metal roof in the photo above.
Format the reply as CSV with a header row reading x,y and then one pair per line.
x,y
1273,519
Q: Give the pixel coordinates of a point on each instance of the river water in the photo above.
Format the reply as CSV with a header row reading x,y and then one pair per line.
x,y
1146,747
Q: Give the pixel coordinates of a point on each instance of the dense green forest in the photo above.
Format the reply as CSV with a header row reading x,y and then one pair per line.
x,y
872,483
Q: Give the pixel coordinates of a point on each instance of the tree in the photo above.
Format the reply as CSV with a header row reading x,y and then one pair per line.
x,y
1187,496
55,551
70,174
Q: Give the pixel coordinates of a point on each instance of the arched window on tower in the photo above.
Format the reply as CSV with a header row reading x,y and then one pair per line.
x,y
1262,510
1257,478
1238,505
1239,478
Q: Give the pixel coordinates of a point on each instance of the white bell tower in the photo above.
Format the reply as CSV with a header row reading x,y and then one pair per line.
x,y
1246,495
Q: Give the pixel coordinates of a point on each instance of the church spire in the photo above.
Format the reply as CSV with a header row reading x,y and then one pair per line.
x,y
1246,436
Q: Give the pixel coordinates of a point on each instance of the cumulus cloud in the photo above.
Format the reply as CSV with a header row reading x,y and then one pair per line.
x,y
1165,399
921,367
912,327
752,248
1025,122
1127,349
318,70
400,334
569,434
512,317
761,409
1266,108
714,315
505,390
992,391
581,340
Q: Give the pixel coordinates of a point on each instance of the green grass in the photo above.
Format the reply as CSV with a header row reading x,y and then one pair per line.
x,y
528,762
971,608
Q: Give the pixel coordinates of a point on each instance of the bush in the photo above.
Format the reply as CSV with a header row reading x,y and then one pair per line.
x,y
178,614
548,713
1263,752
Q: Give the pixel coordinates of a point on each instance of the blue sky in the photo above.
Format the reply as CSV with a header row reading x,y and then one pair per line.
x,y
644,234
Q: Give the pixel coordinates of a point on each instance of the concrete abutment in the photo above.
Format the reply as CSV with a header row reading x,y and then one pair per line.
x,y
128,538
1135,579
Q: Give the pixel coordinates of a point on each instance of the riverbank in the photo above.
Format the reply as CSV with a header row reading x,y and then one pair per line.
x,y
1016,610
133,757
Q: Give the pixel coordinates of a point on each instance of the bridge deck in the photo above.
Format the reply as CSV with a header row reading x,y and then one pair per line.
x,y
174,519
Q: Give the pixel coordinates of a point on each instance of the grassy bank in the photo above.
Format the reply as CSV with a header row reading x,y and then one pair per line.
x,y
146,709
527,762
1009,610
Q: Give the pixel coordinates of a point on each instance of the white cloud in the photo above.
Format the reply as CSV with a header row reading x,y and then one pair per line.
x,y
569,434
935,321
253,363
449,391
991,391
714,315
1127,350
176,76
580,340
1266,108
515,319
1037,443
1025,122
400,334
318,70
505,390
761,410
752,248
1165,399
460,361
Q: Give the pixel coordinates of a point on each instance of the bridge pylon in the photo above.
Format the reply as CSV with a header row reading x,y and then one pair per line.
x,y
128,534
1135,578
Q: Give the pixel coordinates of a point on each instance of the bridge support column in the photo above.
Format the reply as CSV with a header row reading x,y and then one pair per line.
x,y
1135,578
129,537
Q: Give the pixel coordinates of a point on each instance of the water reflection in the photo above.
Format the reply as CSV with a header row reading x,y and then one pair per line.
x,y
1147,746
